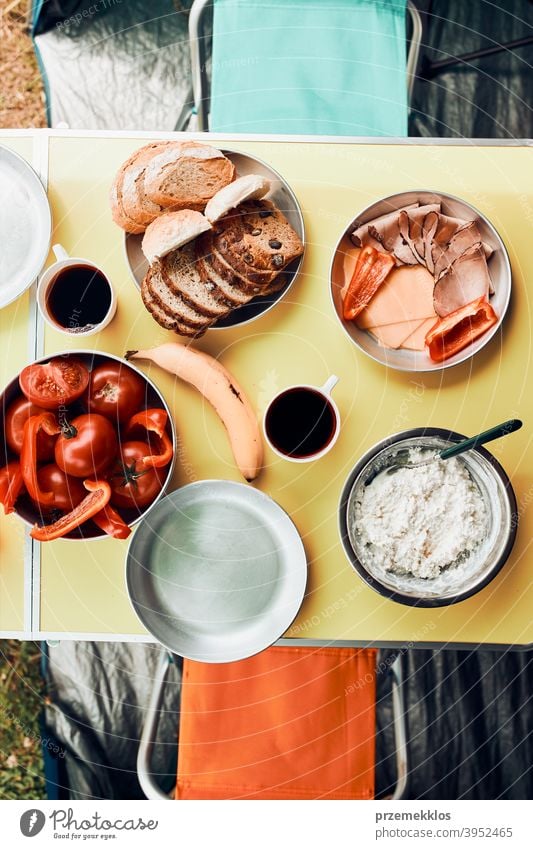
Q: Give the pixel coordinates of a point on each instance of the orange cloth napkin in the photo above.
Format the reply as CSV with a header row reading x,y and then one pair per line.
x,y
289,723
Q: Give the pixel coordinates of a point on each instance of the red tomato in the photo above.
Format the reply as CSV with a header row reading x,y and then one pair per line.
x,y
132,484
86,446
54,384
116,391
68,491
17,415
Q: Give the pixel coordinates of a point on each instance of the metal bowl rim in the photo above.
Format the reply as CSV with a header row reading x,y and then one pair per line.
x,y
135,368
352,480
487,336
296,273
298,539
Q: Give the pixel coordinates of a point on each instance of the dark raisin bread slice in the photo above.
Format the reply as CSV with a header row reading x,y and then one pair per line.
x,y
258,242
233,294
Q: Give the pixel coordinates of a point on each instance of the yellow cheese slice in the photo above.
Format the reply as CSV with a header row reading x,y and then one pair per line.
x,y
393,335
417,340
406,295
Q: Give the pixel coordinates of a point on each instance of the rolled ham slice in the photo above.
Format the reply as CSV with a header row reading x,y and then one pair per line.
x,y
448,227
465,281
429,228
386,231
397,245
445,255
362,231
411,232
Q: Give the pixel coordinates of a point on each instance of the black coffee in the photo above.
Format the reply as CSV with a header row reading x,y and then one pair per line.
x,y
300,422
79,297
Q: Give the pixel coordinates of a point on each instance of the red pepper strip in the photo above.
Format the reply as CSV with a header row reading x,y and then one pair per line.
x,y
455,331
110,521
99,495
154,421
11,484
371,269
28,454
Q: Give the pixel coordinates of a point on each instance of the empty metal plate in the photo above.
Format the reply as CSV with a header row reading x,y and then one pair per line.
x,y
217,571
25,226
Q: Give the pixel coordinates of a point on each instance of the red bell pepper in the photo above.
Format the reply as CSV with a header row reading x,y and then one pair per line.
x,y
28,455
371,269
111,522
455,331
99,495
154,421
11,484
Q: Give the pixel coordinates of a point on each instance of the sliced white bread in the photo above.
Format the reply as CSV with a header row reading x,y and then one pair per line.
x,y
187,178
249,187
174,304
182,275
172,230
165,320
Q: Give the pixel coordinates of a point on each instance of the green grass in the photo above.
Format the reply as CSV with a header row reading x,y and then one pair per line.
x,y
21,702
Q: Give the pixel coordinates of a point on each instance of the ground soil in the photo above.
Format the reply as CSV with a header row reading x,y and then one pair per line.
x,y
21,90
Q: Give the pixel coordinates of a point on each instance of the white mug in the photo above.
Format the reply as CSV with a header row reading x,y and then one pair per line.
x,y
325,391
63,260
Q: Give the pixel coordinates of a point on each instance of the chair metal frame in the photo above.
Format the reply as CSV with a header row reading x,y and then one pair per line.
x,y
148,779
197,45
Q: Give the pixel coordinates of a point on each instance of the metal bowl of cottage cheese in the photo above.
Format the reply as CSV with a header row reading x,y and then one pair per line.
x,y
428,536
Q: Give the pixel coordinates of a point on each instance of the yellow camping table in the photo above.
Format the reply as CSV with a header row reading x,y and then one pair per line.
x,y
73,590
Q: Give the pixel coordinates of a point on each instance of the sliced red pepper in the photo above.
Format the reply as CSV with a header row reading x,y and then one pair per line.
x,y
154,421
455,331
371,269
99,494
11,484
111,522
28,455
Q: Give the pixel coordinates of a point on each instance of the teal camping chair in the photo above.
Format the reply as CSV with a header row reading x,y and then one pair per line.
x,y
324,67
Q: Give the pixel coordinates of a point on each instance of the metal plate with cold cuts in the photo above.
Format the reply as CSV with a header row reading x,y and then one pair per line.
x,y
217,571
25,226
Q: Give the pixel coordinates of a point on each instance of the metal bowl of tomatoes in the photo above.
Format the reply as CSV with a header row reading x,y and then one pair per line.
x,y
88,446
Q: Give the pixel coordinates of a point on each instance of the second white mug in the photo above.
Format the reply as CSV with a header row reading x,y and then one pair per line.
x,y
302,423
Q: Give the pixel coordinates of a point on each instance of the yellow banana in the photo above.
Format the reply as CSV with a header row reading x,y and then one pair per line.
x,y
222,391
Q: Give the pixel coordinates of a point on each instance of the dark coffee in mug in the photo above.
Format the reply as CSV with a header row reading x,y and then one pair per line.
x,y
79,297
300,422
